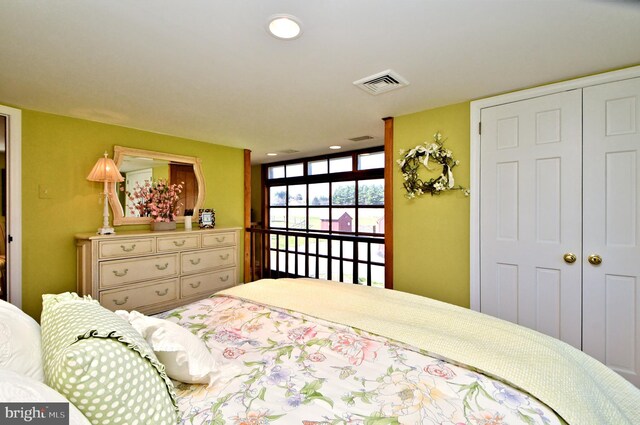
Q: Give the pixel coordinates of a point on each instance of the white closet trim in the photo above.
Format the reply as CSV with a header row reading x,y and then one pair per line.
x,y
476,108
14,203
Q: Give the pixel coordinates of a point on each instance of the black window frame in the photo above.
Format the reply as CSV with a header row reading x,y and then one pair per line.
x,y
306,179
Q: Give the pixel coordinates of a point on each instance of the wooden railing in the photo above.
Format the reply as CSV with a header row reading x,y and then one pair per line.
x,y
341,257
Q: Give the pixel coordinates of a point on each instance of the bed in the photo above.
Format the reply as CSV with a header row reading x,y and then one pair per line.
x,y
318,352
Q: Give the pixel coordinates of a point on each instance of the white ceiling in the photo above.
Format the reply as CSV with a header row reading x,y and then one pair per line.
x,y
208,70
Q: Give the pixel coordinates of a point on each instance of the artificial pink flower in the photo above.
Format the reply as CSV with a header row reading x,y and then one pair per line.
x,y
157,200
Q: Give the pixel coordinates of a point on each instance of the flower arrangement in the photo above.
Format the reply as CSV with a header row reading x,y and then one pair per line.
x,y
421,155
158,200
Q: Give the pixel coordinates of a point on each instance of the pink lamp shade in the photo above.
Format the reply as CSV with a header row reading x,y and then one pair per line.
x,y
105,170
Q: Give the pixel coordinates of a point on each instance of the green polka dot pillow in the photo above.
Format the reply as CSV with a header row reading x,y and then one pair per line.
x,y
102,365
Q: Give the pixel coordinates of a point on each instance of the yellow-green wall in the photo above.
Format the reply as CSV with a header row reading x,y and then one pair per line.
x,y
58,152
161,172
431,233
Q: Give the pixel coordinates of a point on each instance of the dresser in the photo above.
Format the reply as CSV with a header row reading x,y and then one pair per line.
x,y
155,271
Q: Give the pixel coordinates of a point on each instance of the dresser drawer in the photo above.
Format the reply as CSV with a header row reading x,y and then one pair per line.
x,y
143,295
208,259
178,243
207,282
218,239
126,247
120,272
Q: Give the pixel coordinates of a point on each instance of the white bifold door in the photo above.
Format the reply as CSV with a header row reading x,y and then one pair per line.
x,y
531,207
611,226
559,218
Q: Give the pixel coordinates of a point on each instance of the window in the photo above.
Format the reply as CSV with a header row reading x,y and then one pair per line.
x,y
276,172
318,167
294,170
368,161
341,194
338,165
331,196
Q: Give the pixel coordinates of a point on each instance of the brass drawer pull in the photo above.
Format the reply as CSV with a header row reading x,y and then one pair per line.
x,y
120,274
166,291
116,302
224,257
181,243
224,279
194,262
159,267
220,239
195,285
128,249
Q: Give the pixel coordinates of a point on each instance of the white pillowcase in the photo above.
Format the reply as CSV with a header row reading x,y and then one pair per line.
x,y
186,357
20,347
15,387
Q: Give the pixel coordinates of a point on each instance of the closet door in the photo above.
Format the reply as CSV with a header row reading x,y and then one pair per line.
x,y
530,214
612,226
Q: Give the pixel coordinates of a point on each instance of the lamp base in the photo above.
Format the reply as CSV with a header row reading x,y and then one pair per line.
x,y
106,231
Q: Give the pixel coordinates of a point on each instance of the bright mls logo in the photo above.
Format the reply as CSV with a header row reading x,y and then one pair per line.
x,y
34,413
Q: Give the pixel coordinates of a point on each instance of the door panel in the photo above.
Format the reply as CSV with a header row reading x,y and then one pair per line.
x,y
611,225
548,288
530,213
547,208
185,175
507,279
507,201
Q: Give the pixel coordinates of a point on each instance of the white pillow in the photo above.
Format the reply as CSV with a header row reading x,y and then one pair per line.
x,y
15,387
20,347
186,358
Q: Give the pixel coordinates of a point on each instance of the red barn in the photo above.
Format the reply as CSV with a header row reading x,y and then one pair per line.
x,y
342,224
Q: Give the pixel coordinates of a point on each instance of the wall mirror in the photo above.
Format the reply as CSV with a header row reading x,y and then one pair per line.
x,y
137,165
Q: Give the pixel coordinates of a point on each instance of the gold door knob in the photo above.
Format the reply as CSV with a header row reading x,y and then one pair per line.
x,y
595,259
569,257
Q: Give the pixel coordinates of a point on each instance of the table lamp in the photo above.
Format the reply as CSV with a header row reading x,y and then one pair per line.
x,y
105,171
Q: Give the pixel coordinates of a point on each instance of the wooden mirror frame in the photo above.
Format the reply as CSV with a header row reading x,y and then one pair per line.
x,y
119,152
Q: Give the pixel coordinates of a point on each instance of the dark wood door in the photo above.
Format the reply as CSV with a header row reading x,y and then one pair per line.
x,y
183,174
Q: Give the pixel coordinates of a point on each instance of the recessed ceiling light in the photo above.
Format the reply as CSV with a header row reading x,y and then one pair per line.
x,y
335,147
284,27
272,154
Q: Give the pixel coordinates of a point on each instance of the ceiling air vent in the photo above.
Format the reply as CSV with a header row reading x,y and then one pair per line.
x,y
361,138
381,82
288,151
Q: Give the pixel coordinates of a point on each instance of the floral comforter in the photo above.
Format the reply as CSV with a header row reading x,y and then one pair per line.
x,y
287,368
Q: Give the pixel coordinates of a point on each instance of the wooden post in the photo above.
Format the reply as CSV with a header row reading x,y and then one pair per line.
x,y
388,202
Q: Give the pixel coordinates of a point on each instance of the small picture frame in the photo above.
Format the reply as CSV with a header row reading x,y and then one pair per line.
x,y
206,218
